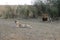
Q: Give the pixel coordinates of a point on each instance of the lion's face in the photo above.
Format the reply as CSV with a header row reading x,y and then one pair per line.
x,y
18,24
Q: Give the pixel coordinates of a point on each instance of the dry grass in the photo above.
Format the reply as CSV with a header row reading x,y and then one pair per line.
x,y
39,31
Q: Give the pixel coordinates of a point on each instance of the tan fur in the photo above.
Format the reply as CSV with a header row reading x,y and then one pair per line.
x,y
18,24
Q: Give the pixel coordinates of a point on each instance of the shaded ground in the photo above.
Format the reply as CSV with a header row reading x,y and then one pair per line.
x,y
39,31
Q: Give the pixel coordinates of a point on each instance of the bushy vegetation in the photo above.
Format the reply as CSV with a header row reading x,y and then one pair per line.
x,y
52,7
20,12
9,13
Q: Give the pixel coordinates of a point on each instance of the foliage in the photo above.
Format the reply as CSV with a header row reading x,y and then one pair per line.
x,y
26,10
50,6
40,7
9,13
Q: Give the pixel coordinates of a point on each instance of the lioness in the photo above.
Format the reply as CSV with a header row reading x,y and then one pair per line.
x,y
18,24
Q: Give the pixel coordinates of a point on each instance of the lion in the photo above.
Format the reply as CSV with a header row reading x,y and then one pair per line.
x,y
19,24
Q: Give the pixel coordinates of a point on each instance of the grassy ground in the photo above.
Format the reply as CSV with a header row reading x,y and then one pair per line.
x,y
39,31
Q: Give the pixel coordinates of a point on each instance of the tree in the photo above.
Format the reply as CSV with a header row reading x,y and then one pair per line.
x,y
58,6
54,7
9,13
50,6
40,7
26,11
